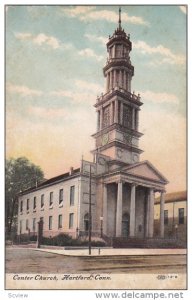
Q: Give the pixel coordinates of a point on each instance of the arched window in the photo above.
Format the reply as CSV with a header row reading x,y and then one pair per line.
x,y
86,222
125,224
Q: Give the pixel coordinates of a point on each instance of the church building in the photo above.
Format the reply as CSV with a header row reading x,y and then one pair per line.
x,y
122,187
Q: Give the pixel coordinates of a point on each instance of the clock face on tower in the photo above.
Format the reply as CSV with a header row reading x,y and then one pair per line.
x,y
104,139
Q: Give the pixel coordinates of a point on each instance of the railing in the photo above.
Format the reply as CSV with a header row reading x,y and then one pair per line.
x,y
132,96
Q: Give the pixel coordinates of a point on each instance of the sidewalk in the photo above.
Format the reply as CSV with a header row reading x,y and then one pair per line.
x,y
114,252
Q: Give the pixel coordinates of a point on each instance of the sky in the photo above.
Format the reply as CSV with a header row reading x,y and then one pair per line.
x,y
54,61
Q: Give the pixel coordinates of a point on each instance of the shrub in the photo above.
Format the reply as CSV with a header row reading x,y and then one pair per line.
x,y
33,238
66,240
62,240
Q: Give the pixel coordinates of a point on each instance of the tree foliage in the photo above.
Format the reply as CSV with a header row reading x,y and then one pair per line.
x,y
20,174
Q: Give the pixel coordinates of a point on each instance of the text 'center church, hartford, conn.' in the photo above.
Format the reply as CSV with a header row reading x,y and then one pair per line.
x,y
122,187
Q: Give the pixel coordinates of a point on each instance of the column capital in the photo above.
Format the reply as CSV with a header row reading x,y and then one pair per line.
x,y
134,184
119,181
163,192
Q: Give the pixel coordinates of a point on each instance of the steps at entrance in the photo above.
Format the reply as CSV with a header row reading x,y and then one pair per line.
x,y
120,242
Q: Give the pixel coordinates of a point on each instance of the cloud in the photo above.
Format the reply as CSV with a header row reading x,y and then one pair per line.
x,y
94,38
159,97
168,56
89,86
78,10
23,90
183,8
40,39
30,137
76,96
48,113
85,92
86,13
87,52
164,143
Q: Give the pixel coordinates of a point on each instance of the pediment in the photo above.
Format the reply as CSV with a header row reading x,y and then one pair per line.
x,y
147,170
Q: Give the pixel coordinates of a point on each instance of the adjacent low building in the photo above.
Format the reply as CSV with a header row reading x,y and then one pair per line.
x,y
175,215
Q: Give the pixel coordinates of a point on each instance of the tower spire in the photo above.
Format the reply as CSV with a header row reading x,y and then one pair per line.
x,y
119,17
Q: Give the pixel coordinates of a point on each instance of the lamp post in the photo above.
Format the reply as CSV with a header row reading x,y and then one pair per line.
x,y
101,228
90,217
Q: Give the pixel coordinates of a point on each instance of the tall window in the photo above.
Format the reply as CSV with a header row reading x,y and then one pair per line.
x,y
20,225
181,215
60,217
27,204
118,51
27,224
21,206
60,196
50,222
71,219
34,224
51,198
166,217
86,222
42,200
106,116
127,116
72,195
34,203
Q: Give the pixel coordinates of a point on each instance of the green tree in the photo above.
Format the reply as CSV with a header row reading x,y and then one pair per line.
x,y
20,174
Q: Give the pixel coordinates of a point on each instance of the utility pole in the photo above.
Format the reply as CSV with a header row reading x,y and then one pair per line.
x,y
90,211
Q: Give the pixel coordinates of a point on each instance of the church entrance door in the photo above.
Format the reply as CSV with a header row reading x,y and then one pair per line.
x,y
125,225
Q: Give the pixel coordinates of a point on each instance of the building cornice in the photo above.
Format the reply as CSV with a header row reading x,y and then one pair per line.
x,y
127,96
118,127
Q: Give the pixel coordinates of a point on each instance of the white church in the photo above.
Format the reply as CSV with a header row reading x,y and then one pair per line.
x,y
122,187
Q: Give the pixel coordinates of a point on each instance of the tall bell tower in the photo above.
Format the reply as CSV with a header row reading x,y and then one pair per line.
x,y
118,109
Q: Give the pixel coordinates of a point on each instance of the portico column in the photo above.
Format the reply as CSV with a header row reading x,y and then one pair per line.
x,y
162,214
119,209
147,213
151,212
132,211
105,209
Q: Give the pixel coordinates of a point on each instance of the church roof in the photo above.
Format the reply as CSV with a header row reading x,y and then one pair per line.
x,y
52,181
145,169
173,197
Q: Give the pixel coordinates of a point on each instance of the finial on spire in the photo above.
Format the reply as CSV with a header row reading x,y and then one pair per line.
x,y
119,17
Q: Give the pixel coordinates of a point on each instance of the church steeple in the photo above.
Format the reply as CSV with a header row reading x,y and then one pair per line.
x,y
119,18
118,70
118,109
